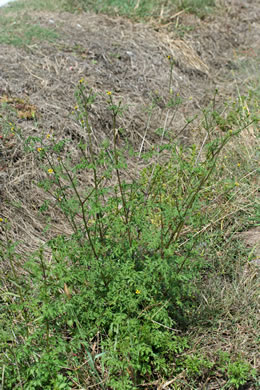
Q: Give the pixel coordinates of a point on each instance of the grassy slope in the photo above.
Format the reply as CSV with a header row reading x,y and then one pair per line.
x,y
230,286
135,9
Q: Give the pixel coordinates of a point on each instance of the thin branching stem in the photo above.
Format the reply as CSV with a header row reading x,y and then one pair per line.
x,y
115,111
83,211
85,101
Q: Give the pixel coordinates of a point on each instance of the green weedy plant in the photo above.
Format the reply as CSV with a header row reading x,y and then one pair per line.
x,y
195,365
116,293
238,372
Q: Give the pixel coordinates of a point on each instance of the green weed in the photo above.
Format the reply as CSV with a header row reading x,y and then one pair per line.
x,y
107,304
237,371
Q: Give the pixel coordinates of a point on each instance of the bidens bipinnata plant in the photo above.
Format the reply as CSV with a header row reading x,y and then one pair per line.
x,y
112,298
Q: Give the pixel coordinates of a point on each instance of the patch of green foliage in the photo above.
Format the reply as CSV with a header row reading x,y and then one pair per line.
x,y
143,9
198,7
20,32
109,302
33,5
238,372
235,371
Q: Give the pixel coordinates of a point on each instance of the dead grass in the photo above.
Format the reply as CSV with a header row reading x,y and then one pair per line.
x,y
131,61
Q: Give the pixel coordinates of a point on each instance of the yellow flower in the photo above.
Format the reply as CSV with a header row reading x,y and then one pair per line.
x,y
39,149
169,57
236,184
156,220
81,80
238,164
109,93
48,136
50,170
1,219
138,292
12,128
76,107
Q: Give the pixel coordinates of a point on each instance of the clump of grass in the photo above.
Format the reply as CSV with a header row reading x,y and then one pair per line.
x,y
107,305
21,32
144,9
35,5
198,7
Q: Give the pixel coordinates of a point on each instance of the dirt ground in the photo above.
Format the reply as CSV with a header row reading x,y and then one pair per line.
x,y
37,85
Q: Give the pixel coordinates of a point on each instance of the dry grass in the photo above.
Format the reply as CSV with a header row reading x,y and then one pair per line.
x,y
132,62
